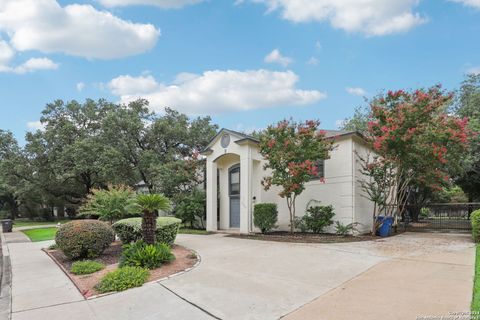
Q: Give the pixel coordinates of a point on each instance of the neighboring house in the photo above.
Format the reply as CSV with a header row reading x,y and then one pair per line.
x,y
235,170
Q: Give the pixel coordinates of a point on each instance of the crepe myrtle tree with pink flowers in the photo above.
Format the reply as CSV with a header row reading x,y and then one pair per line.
x,y
292,150
415,138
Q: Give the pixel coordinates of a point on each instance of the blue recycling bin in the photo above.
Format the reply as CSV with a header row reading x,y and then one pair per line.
x,y
385,226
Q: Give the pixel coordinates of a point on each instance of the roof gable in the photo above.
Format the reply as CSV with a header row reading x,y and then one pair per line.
x,y
242,137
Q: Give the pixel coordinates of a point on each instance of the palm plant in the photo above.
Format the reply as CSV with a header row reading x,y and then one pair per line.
x,y
150,204
114,203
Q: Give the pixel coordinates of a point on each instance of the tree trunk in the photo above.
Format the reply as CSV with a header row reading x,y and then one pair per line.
x,y
149,223
61,212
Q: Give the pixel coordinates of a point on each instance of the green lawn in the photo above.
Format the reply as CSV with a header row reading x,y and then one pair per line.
x,y
476,285
193,231
41,234
29,223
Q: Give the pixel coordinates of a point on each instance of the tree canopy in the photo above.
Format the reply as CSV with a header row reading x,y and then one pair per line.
x,y
88,146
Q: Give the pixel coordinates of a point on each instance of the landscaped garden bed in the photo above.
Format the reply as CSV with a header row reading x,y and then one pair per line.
x,y
86,284
300,237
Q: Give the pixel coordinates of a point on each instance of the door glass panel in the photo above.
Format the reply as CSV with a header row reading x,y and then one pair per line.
x,y
235,181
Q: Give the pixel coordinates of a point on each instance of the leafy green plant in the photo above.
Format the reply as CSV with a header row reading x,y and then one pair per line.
x,y
318,218
86,267
191,208
130,230
150,204
265,216
150,256
115,203
122,279
425,212
475,221
345,229
299,224
82,239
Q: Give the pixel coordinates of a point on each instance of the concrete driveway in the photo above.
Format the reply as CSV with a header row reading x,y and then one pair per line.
x,y
411,274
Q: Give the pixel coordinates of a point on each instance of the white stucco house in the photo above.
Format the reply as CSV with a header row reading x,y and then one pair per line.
x,y
235,170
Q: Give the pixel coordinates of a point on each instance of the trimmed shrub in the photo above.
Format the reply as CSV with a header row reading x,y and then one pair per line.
x,y
191,208
265,216
83,239
150,256
475,221
122,279
86,267
318,218
130,230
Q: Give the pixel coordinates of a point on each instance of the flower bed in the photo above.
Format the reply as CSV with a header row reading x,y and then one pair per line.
x,y
299,237
184,260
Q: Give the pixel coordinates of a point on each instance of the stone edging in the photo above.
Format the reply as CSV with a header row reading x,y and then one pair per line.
x,y
6,282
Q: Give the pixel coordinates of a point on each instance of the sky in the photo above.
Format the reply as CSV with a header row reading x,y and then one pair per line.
x,y
246,63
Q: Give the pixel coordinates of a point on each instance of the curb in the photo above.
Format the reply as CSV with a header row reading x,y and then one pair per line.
x,y
6,281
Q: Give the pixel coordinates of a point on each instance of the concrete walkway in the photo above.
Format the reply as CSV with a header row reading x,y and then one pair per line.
x,y
429,275
399,278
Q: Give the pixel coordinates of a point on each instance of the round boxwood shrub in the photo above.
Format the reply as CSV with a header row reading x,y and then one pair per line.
x,y
83,239
475,221
130,230
265,216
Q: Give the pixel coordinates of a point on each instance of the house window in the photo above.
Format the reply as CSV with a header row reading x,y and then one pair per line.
x,y
320,170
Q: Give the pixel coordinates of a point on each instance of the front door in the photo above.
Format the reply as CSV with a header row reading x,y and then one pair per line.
x,y
234,194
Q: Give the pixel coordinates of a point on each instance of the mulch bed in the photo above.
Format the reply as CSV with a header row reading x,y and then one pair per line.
x,y
184,259
284,236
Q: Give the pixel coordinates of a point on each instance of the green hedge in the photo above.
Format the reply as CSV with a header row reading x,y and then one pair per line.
x,y
130,230
81,239
475,220
265,216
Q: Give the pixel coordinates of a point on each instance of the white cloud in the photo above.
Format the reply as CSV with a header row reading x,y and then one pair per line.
x,y
318,45
35,125
6,53
80,86
34,64
128,85
313,61
78,30
30,65
470,3
276,57
370,17
473,70
217,91
164,4
356,91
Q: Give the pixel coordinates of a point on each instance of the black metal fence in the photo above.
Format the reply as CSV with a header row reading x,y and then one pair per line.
x,y
439,216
